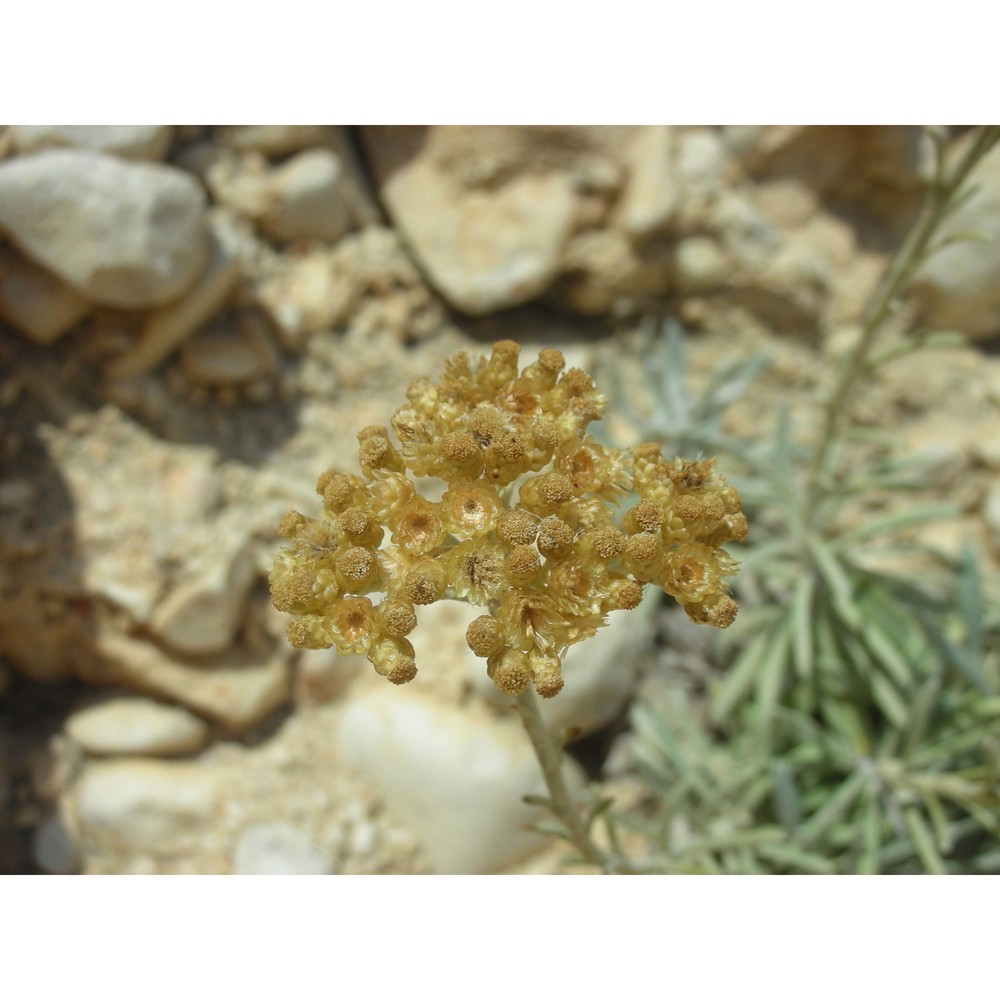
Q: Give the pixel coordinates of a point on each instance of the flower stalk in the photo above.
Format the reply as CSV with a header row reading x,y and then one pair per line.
x,y
943,197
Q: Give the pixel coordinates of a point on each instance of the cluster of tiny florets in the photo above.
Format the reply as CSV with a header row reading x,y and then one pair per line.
x,y
534,524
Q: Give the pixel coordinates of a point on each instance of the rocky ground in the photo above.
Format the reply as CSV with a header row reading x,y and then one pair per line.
x,y
194,322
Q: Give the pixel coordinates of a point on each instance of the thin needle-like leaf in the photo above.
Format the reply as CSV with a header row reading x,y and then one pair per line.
x,y
922,841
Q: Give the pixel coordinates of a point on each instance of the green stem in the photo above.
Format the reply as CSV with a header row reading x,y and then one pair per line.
x,y
911,255
550,759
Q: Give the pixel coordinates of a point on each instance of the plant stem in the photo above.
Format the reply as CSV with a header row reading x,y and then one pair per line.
x,y
911,255
550,759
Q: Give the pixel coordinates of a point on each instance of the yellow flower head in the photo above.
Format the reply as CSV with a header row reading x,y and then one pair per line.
x,y
527,526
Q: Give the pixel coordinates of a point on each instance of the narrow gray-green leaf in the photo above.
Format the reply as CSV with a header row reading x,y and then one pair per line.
x,y
836,805
787,801
886,655
939,821
836,578
889,701
803,644
959,658
970,603
772,671
740,678
891,523
871,836
792,857
922,841
921,712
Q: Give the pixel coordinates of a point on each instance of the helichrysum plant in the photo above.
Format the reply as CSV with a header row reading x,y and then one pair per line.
x,y
863,706
539,524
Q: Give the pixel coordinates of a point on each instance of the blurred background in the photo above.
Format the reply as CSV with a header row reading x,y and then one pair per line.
x,y
194,323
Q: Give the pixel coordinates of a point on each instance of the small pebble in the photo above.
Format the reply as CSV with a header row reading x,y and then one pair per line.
x,y
278,849
54,848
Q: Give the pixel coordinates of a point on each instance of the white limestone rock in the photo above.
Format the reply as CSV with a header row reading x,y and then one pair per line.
x,y
203,612
127,235
278,848
164,808
168,327
959,286
274,140
310,294
483,248
130,142
309,198
991,515
54,847
650,197
235,690
136,726
455,775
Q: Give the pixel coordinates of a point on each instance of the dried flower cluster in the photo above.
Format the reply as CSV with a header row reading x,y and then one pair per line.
x,y
527,526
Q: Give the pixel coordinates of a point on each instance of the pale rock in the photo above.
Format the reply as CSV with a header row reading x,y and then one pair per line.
x,y
948,537
940,462
839,343
455,775
356,185
788,202
700,161
275,140
606,269
700,264
483,249
363,839
167,328
938,453
130,142
136,726
986,450
127,235
744,231
991,378
959,287
160,807
54,848
36,302
192,487
240,183
309,199
650,197
203,612
742,139
170,488
311,296
319,194
235,690
277,848
223,357
820,250
991,514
